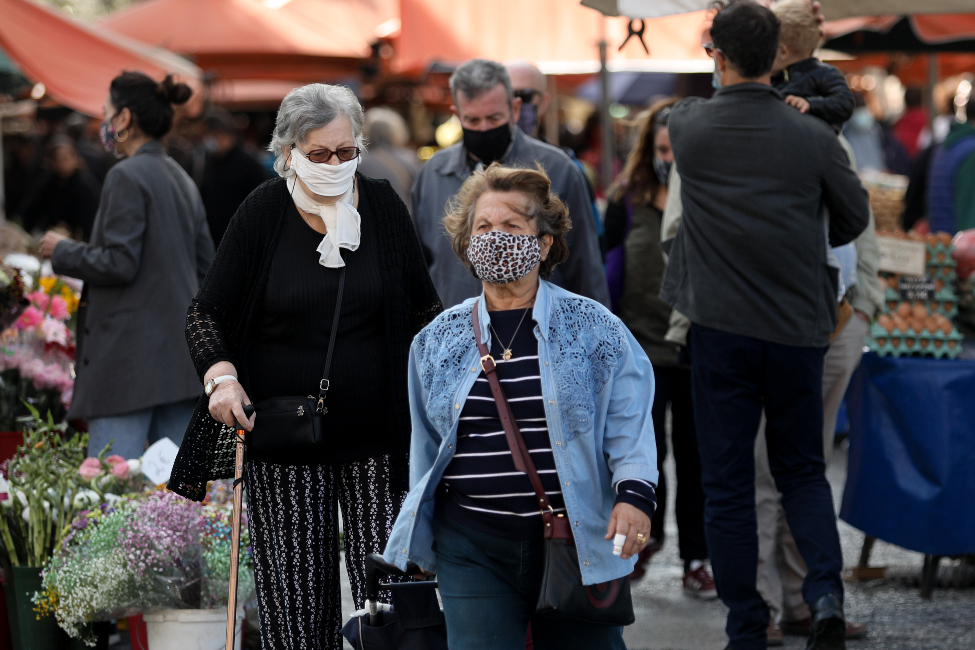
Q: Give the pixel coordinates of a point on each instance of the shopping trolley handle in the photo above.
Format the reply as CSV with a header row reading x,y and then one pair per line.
x,y
377,567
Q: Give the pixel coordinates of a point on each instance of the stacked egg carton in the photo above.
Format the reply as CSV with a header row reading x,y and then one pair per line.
x,y
911,330
940,264
945,302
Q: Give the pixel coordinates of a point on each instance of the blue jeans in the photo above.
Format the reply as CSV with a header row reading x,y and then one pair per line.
x,y
734,377
128,433
489,586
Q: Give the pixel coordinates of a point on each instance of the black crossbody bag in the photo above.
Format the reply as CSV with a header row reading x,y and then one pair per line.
x,y
562,592
297,423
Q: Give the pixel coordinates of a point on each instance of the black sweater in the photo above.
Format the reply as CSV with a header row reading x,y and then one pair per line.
x,y
823,86
289,342
220,318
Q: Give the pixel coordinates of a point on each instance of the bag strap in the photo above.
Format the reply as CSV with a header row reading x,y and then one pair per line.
x,y
323,384
519,451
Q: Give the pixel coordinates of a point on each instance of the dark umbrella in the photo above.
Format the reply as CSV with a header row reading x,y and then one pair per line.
x,y
632,88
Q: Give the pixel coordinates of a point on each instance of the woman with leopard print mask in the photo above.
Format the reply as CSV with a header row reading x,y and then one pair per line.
x,y
580,389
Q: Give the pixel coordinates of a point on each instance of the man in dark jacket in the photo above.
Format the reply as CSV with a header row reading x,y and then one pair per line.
x,y
951,192
230,173
748,268
488,110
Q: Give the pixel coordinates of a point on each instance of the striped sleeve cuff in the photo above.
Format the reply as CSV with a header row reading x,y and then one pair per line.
x,y
638,493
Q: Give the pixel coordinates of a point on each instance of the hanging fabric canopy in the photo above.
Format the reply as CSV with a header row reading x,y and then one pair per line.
x,y
560,37
940,33
351,23
75,61
831,8
246,39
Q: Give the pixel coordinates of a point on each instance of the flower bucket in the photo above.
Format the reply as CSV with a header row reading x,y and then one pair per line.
x,y
137,633
189,629
26,630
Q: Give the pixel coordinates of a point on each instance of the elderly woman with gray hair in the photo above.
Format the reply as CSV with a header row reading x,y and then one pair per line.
x,y
318,249
488,504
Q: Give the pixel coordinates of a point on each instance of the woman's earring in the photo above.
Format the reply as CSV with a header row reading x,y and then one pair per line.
x,y
120,138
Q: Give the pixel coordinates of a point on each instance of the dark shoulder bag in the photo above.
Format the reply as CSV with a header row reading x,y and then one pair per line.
x,y
297,423
606,603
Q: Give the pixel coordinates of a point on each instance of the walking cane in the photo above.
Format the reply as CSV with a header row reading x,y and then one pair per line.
x,y
235,532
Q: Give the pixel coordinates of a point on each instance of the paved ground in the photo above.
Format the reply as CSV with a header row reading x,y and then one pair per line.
x,y
898,619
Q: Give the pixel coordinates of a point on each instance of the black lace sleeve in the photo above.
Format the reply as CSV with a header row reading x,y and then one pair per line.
x,y
205,337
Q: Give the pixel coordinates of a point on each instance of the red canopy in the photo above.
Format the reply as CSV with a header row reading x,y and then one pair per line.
x,y
560,36
75,61
932,29
245,39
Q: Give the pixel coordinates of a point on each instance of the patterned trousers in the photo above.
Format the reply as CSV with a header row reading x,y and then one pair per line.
x,y
295,541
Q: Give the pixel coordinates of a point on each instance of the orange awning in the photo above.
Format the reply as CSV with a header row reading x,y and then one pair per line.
x,y
352,23
246,39
932,29
560,36
75,61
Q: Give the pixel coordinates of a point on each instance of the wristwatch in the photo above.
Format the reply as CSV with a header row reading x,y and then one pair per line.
x,y
211,385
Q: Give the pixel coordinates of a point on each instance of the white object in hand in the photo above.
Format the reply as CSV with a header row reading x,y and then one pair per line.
x,y
618,542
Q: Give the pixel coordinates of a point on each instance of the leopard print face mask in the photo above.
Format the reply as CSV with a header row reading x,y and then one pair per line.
x,y
500,257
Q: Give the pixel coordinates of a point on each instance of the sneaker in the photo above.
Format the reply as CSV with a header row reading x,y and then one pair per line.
x,y
698,582
774,634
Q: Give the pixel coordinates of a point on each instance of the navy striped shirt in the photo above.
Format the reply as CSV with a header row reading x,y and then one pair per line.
x,y
481,487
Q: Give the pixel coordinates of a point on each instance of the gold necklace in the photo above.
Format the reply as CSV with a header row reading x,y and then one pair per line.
x,y
506,355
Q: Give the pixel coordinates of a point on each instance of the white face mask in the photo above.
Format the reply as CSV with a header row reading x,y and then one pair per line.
x,y
324,179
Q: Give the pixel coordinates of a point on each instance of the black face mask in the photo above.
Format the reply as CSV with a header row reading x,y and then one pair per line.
x,y
488,145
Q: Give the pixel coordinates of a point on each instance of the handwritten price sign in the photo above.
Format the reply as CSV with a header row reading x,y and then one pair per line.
x,y
902,256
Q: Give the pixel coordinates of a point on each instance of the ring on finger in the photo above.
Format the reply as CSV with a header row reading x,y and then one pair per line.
x,y
640,537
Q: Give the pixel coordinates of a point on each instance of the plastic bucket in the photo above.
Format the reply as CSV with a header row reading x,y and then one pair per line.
x,y
190,629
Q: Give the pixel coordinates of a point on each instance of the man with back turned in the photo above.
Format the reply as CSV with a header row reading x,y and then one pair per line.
x,y
748,268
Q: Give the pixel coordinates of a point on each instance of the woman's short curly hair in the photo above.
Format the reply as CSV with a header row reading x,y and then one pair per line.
x,y
545,209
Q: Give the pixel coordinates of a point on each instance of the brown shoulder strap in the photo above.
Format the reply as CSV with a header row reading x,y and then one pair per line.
x,y
519,451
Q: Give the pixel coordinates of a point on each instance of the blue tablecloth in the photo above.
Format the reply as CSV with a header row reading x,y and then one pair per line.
x,y
911,476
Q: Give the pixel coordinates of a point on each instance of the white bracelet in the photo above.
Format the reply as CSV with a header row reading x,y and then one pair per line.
x,y
216,381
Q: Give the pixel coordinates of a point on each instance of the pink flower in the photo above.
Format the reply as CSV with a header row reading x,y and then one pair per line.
x,y
114,460
31,318
54,331
120,470
90,468
59,308
39,299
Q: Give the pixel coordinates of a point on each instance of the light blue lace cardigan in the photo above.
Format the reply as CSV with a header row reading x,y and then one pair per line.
x,y
597,384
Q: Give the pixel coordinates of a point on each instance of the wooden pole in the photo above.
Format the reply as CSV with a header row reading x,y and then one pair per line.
x,y
235,539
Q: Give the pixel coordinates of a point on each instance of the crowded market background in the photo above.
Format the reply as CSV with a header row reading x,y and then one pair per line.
x,y
588,78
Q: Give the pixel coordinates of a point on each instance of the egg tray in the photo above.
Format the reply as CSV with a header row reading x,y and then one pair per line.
x,y
910,343
939,253
945,302
942,270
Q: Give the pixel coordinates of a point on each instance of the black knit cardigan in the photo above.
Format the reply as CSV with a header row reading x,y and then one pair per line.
x,y
219,319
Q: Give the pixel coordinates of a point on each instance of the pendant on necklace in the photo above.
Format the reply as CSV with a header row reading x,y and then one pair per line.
x,y
506,355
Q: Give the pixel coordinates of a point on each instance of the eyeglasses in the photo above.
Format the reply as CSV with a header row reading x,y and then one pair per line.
x,y
526,95
711,49
344,154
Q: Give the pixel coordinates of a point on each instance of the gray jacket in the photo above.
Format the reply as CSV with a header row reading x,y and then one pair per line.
x,y
750,255
441,178
150,249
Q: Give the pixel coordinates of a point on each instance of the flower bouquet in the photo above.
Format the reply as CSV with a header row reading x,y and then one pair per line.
x,y
38,351
144,552
47,484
